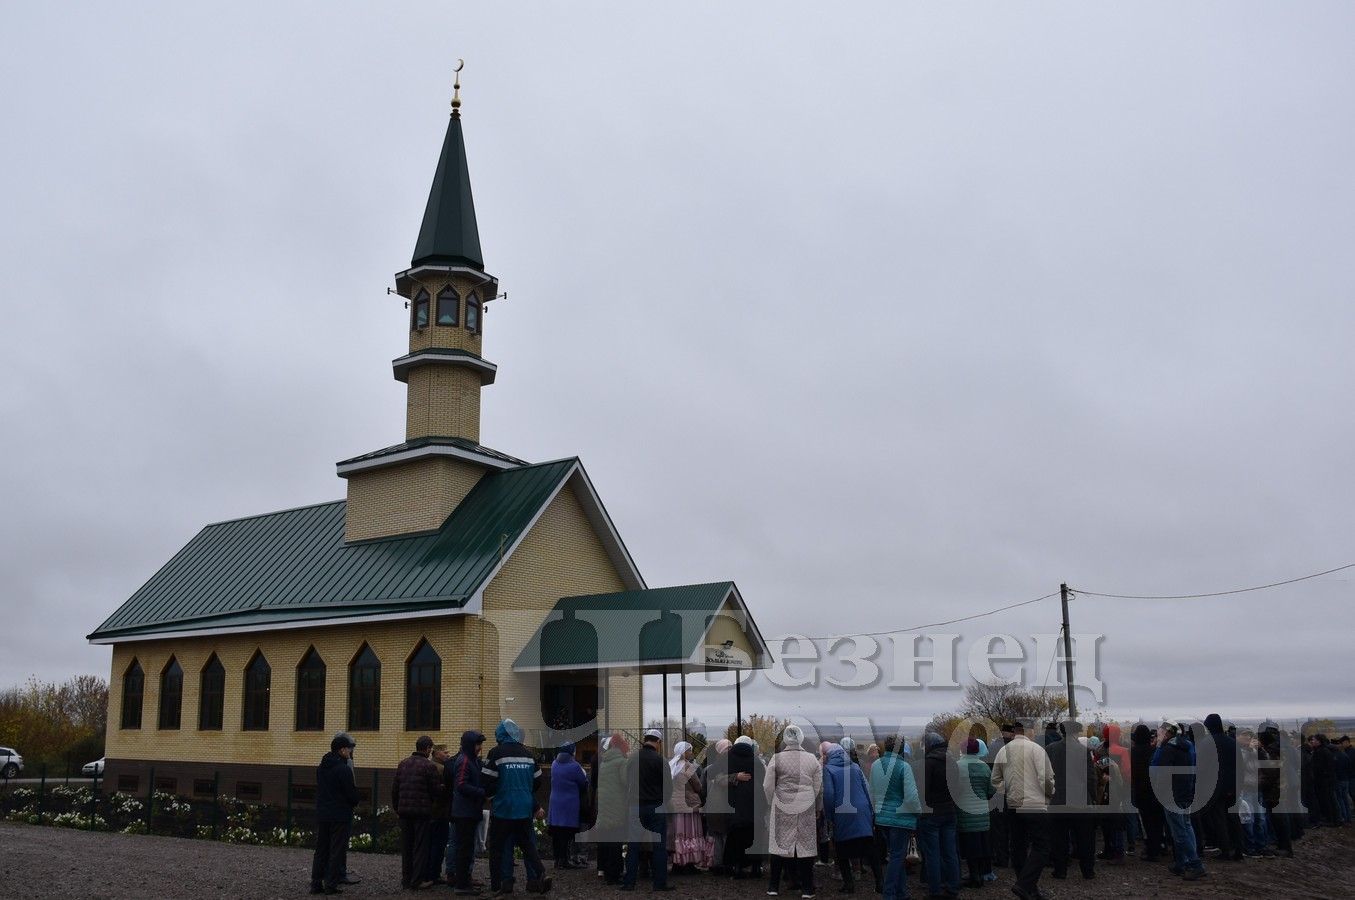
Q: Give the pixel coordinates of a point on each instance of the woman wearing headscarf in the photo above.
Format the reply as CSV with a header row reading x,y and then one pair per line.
x,y
568,788
971,810
716,811
794,787
749,805
690,846
846,799
610,828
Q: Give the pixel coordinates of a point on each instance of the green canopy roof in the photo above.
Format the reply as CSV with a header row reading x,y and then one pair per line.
x,y
293,567
657,629
449,235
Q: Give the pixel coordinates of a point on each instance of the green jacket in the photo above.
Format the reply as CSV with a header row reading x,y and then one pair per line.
x,y
893,792
971,806
611,802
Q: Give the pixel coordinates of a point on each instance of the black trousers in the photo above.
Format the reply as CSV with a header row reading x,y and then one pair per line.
x,y
999,831
463,840
1222,827
1154,829
1079,830
609,861
560,840
1030,842
331,853
413,848
859,848
800,867
436,851
1279,823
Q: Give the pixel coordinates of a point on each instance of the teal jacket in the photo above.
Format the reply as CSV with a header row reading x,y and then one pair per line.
x,y
971,804
893,792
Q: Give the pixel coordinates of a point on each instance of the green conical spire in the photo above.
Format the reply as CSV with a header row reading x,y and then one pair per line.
x,y
449,235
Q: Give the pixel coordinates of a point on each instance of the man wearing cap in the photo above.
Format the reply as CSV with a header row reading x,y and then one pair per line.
x,y
1176,755
335,796
416,783
651,779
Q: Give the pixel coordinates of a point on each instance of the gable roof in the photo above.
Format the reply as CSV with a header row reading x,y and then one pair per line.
x,y
291,568
657,629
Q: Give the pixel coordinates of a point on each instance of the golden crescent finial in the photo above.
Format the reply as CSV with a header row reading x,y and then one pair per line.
x,y
456,87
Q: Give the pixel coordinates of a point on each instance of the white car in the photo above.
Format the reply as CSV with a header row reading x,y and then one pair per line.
x,y
94,769
11,763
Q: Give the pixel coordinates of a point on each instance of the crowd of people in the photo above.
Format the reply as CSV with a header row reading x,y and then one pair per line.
x,y
1030,802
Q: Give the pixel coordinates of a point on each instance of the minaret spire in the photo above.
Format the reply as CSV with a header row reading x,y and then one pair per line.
x,y
449,234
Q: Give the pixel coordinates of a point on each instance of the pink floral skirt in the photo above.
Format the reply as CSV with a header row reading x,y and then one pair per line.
x,y
688,845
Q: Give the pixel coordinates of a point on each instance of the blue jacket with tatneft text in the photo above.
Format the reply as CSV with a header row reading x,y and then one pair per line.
x,y
510,775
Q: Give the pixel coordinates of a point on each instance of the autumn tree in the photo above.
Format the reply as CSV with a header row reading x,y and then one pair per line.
x,y
765,730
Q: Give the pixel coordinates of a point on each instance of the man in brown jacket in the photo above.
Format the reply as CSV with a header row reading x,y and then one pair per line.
x,y
412,793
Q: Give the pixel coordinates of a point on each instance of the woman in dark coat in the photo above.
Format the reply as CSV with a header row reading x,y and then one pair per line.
x,y
746,798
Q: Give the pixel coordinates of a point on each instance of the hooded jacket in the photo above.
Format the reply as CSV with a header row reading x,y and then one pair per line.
x,y
611,821
1140,784
1225,748
974,791
335,791
893,791
1178,753
846,797
462,779
511,775
568,788
1120,754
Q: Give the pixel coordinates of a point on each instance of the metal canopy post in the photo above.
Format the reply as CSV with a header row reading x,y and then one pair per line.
x,y
738,704
683,676
665,707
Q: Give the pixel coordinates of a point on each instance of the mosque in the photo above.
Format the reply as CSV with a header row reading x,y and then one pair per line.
x,y
455,585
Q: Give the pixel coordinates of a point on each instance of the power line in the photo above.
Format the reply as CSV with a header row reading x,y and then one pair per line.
x,y
1259,587
991,612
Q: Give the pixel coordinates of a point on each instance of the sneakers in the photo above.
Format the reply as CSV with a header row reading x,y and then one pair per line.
x,y
771,893
1195,874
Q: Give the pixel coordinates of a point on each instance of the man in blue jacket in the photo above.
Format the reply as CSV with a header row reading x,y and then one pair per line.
x,y
335,796
464,784
511,777
1177,755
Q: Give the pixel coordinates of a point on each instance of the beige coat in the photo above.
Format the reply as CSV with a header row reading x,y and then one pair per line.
x,y
794,788
1022,770
686,790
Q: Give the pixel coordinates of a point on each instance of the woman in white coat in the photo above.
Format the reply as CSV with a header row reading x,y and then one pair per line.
x,y
794,788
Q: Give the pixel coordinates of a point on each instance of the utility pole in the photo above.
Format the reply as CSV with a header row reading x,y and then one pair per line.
x,y
1068,653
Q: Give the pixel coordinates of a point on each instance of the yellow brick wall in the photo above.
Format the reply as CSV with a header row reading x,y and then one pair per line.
x,y
408,498
443,401
561,556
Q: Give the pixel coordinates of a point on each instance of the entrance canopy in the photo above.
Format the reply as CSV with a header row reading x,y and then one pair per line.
x,y
687,628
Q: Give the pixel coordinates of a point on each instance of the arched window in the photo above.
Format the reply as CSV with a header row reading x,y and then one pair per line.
x,y
212,696
423,689
364,691
171,695
449,307
310,692
258,686
473,314
133,687
419,312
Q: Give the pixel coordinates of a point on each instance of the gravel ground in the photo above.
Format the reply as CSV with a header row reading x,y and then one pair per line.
x,y
49,862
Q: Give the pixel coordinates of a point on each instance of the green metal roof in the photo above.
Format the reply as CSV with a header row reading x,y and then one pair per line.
x,y
449,234
629,628
293,566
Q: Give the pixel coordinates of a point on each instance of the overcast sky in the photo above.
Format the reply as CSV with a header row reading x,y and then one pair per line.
x,y
889,313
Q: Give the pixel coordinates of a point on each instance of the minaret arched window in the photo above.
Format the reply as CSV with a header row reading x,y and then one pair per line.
x,y
171,695
364,691
310,692
258,687
449,307
212,696
419,311
473,314
133,688
423,689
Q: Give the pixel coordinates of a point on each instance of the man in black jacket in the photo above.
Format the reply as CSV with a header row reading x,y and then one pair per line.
x,y
1324,779
1070,813
1142,743
336,794
1219,823
652,782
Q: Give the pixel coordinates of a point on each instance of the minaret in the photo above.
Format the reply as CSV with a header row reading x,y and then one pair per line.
x,y
414,486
